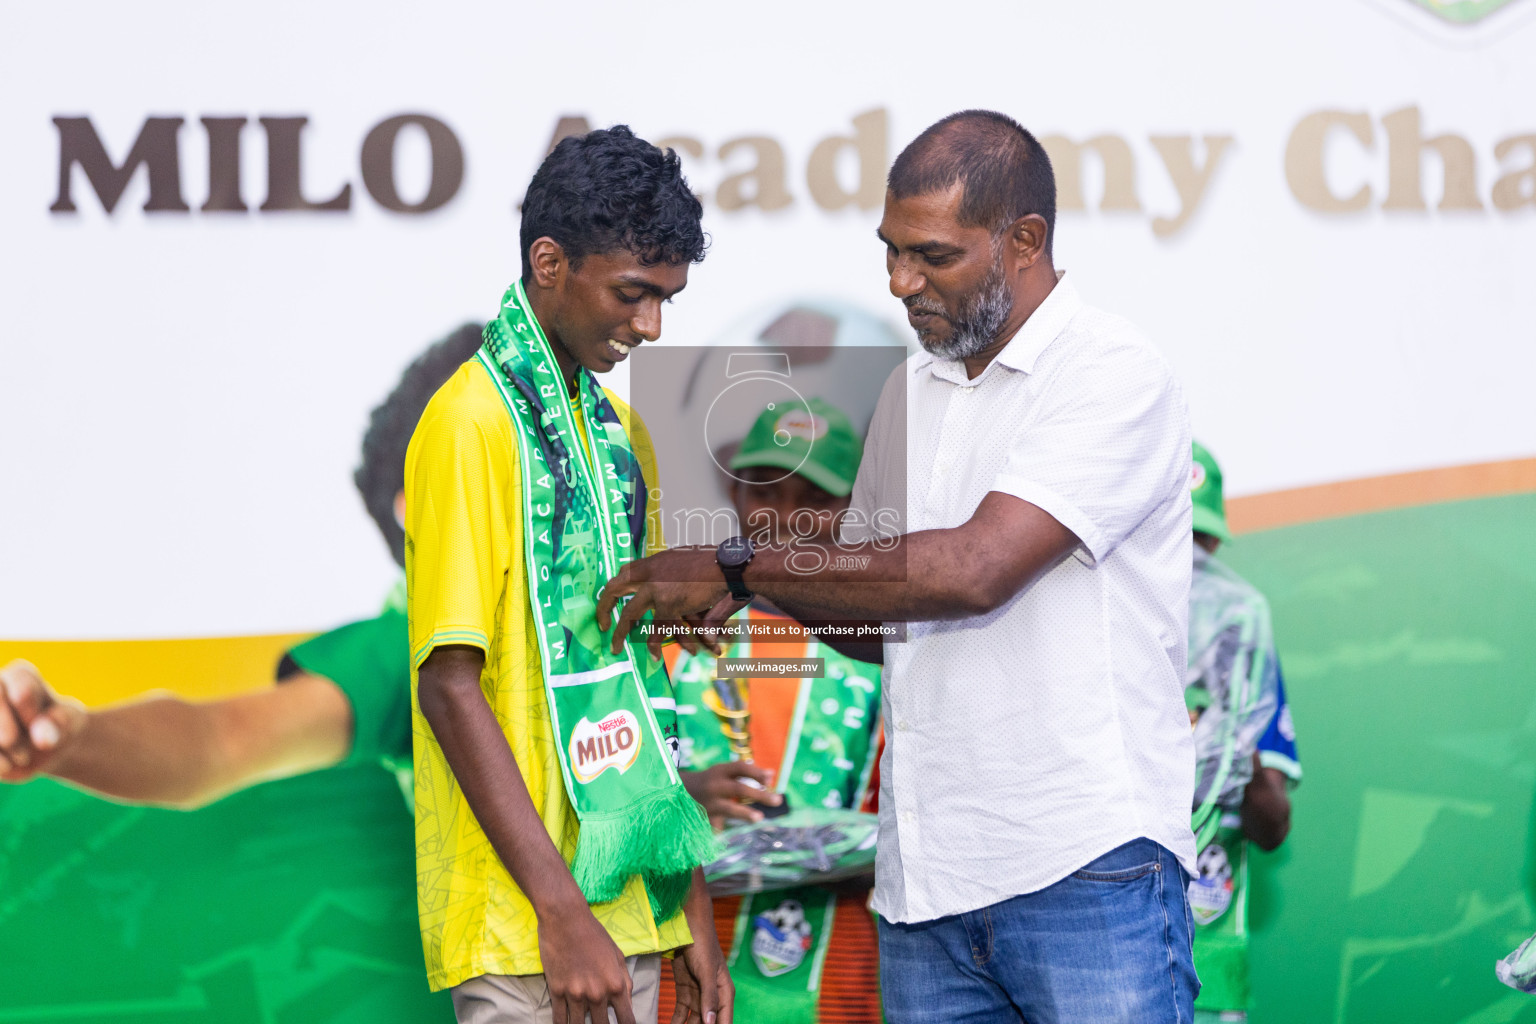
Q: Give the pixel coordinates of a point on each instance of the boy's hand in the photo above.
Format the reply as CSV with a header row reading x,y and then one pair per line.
x,y
584,969
36,724
724,793
705,993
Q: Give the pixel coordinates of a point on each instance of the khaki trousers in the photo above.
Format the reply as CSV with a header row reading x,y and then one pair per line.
x,y
524,998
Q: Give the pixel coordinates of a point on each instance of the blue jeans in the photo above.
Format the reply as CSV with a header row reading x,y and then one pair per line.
x,y
1108,944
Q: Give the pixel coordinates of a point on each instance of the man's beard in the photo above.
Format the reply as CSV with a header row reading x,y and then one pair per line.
x,y
977,322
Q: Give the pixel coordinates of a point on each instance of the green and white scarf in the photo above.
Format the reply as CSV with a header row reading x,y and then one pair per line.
x,y
613,715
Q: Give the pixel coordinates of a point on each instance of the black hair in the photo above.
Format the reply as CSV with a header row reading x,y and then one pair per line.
x,y
382,472
608,190
1004,169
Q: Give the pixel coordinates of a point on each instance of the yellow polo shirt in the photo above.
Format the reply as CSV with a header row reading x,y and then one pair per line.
x,y
467,584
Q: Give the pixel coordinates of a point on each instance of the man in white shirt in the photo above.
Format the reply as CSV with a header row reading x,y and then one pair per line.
x,y
1023,504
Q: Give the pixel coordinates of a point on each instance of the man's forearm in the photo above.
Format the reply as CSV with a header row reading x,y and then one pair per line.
x,y
888,587
954,573
969,570
483,764
930,575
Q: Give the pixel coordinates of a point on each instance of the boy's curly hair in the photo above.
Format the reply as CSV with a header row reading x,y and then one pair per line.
x,y
608,190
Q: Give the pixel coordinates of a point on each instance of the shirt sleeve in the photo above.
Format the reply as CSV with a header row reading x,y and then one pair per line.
x,y
1240,683
1110,443
1277,747
367,661
460,487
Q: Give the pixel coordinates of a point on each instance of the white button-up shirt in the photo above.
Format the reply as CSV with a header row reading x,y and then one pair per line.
x,y
1026,742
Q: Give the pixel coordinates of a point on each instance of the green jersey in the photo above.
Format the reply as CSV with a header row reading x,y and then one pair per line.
x,y
1232,689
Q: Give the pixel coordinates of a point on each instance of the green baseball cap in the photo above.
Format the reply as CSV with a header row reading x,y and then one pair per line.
x,y
1205,491
813,439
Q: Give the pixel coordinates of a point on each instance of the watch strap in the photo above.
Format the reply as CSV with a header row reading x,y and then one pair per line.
x,y
738,586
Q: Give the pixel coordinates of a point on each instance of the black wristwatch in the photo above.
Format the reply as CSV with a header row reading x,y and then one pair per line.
x,y
733,556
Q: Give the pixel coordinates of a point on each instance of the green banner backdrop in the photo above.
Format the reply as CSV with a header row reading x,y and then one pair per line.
x,y
1409,656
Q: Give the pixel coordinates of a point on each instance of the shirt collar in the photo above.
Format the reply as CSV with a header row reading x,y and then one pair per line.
x,y
1044,325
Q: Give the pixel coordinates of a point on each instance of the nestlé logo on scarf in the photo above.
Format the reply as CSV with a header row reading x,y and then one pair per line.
x,y
611,742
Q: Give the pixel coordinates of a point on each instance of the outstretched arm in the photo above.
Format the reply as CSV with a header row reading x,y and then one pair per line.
x,y
166,751
934,574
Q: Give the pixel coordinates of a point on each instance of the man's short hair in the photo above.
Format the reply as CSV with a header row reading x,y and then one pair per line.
x,y
382,473
608,190
1004,169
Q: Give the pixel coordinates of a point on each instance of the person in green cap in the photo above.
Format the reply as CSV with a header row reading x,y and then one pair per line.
x,y
812,741
1245,749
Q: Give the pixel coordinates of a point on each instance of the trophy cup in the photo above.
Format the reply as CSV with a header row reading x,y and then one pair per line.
x,y
728,700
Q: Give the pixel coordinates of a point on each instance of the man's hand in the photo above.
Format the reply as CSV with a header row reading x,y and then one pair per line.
x,y
705,993
584,969
37,725
679,585
725,797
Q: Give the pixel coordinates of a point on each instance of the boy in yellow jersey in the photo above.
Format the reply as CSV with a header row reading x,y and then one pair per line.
x,y
557,851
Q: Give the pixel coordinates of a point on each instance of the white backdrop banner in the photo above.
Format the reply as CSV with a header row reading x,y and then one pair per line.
x,y
1323,211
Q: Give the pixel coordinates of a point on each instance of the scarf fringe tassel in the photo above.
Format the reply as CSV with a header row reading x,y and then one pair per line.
x,y
662,839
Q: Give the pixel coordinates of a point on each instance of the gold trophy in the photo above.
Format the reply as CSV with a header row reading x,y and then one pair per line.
x,y
729,700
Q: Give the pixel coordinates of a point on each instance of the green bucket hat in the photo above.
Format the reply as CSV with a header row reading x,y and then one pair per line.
x,y
1205,491
814,440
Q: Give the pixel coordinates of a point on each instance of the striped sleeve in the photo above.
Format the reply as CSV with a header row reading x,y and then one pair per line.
x,y
459,473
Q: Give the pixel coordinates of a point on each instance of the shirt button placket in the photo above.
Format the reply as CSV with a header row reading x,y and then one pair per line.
x,y
905,800
906,816
941,483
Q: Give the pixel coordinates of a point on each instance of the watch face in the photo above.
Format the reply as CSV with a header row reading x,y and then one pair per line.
x,y
734,552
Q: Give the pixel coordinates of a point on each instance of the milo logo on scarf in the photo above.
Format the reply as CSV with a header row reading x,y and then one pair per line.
x,y
583,511
612,742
